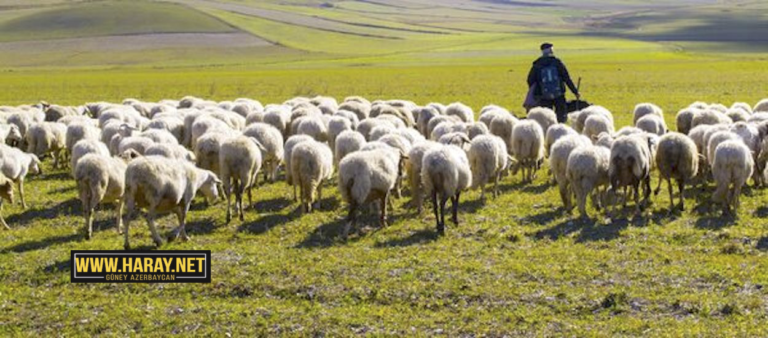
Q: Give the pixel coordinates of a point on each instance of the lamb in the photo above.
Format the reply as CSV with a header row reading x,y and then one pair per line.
x,y
366,126
413,171
445,173
311,164
528,147
240,162
6,194
172,151
644,109
652,123
630,166
272,141
578,118
558,163
16,165
502,126
587,169
163,185
488,158
676,158
288,150
732,167
47,138
460,110
85,147
545,117
596,124
366,176
100,179
347,142
684,119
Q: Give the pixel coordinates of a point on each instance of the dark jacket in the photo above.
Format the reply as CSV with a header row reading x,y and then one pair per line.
x,y
544,61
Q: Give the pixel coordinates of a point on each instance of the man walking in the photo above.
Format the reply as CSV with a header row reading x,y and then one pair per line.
x,y
550,76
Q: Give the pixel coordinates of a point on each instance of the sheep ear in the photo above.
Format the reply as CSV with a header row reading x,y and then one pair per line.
x,y
465,138
258,144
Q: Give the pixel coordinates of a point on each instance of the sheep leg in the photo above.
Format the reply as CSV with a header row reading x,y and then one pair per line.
x,y
228,193
181,213
736,195
55,159
250,198
658,187
671,197
295,195
120,205
129,208
440,227
647,191
152,228
383,216
88,213
443,201
455,207
239,188
350,219
636,189
681,189
2,219
496,185
21,193
418,198
319,201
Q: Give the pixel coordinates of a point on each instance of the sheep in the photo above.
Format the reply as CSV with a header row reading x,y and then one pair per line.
x,y
556,132
491,112
207,151
311,164
699,105
502,127
54,112
545,117
162,185
84,147
460,110
579,117
361,109
644,109
353,120
445,173
684,119
272,141
488,158
743,106
596,124
458,139
528,147
737,114
558,163
160,136
587,169
437,120
718,107
336,125
477,129
366,126
10,134
6,194
425,115
16,165
380,131
761,106
358,99
100,179
347,142
47,138
366,176
676,158
652,123
732,166
605,140
437,106
413,171
172,124
240,162
288,150
709,117
22,121
204,124
715,139
630,166
138,143
169,150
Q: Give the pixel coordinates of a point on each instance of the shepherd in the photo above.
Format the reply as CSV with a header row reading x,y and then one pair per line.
x,y
546,83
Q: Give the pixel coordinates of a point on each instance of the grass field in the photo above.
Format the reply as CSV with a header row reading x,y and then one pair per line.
x,y
516,265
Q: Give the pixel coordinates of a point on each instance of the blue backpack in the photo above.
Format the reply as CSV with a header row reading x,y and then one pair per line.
x,y
550,82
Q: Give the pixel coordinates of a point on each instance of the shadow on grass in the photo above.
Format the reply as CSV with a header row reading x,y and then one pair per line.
x,y
63,190
44,243
60,266
589,230
537,189
59,176
330,234
267,222
762,244
761,212
69,207
715,222
418,237
272,205
545,217
201,226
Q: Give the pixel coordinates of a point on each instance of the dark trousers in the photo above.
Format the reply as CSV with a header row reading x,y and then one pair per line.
x,y
559,106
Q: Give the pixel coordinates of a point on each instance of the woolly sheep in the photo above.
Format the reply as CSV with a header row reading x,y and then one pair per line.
x,y
367,176
336,125
54,112
361,110
437,120
413,171
528,147
761,106
139,144
545,117
732,167
272,141
207,151
47,138
10,134
579,117
737,114
596,124
718,107
684,119
652,123
460,110
164,185
287,151
205,124
676,158
100,179
709,117
311,164
502,127
366,126
354,121
172,151
347,142
558,163
587,169
556,132
488,158
313,127
745,107
477,129
630,166
85,147
437,106
16,165
239,161
425,115
644,109
159,136
445,173
380,131
487,115
173,125
6,194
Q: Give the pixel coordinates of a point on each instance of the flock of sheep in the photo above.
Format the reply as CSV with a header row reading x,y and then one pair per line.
x,y
158,156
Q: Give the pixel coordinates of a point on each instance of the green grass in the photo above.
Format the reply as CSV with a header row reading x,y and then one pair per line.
x,y
104,18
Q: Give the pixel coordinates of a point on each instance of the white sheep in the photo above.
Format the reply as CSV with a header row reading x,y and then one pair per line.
x,y
16,165
361,109
502,127
272,140
413,171
732,167
761,106
709,117
476,129
445,173
336,125
587,170
488,158
100,179
652,123
240,162
684,119
630,166
85,147
596,124
313,126
207,150
488,113
556,132
425,115
311,164
288,150
676,158
528,147
460,110
6,194
172,151
366,126
47,138
545,117
138,143
164,185
558,163
715,139
579,117
644,109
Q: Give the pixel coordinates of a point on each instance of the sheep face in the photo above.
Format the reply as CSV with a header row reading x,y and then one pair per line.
x,y
14,136
210,188
34,166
